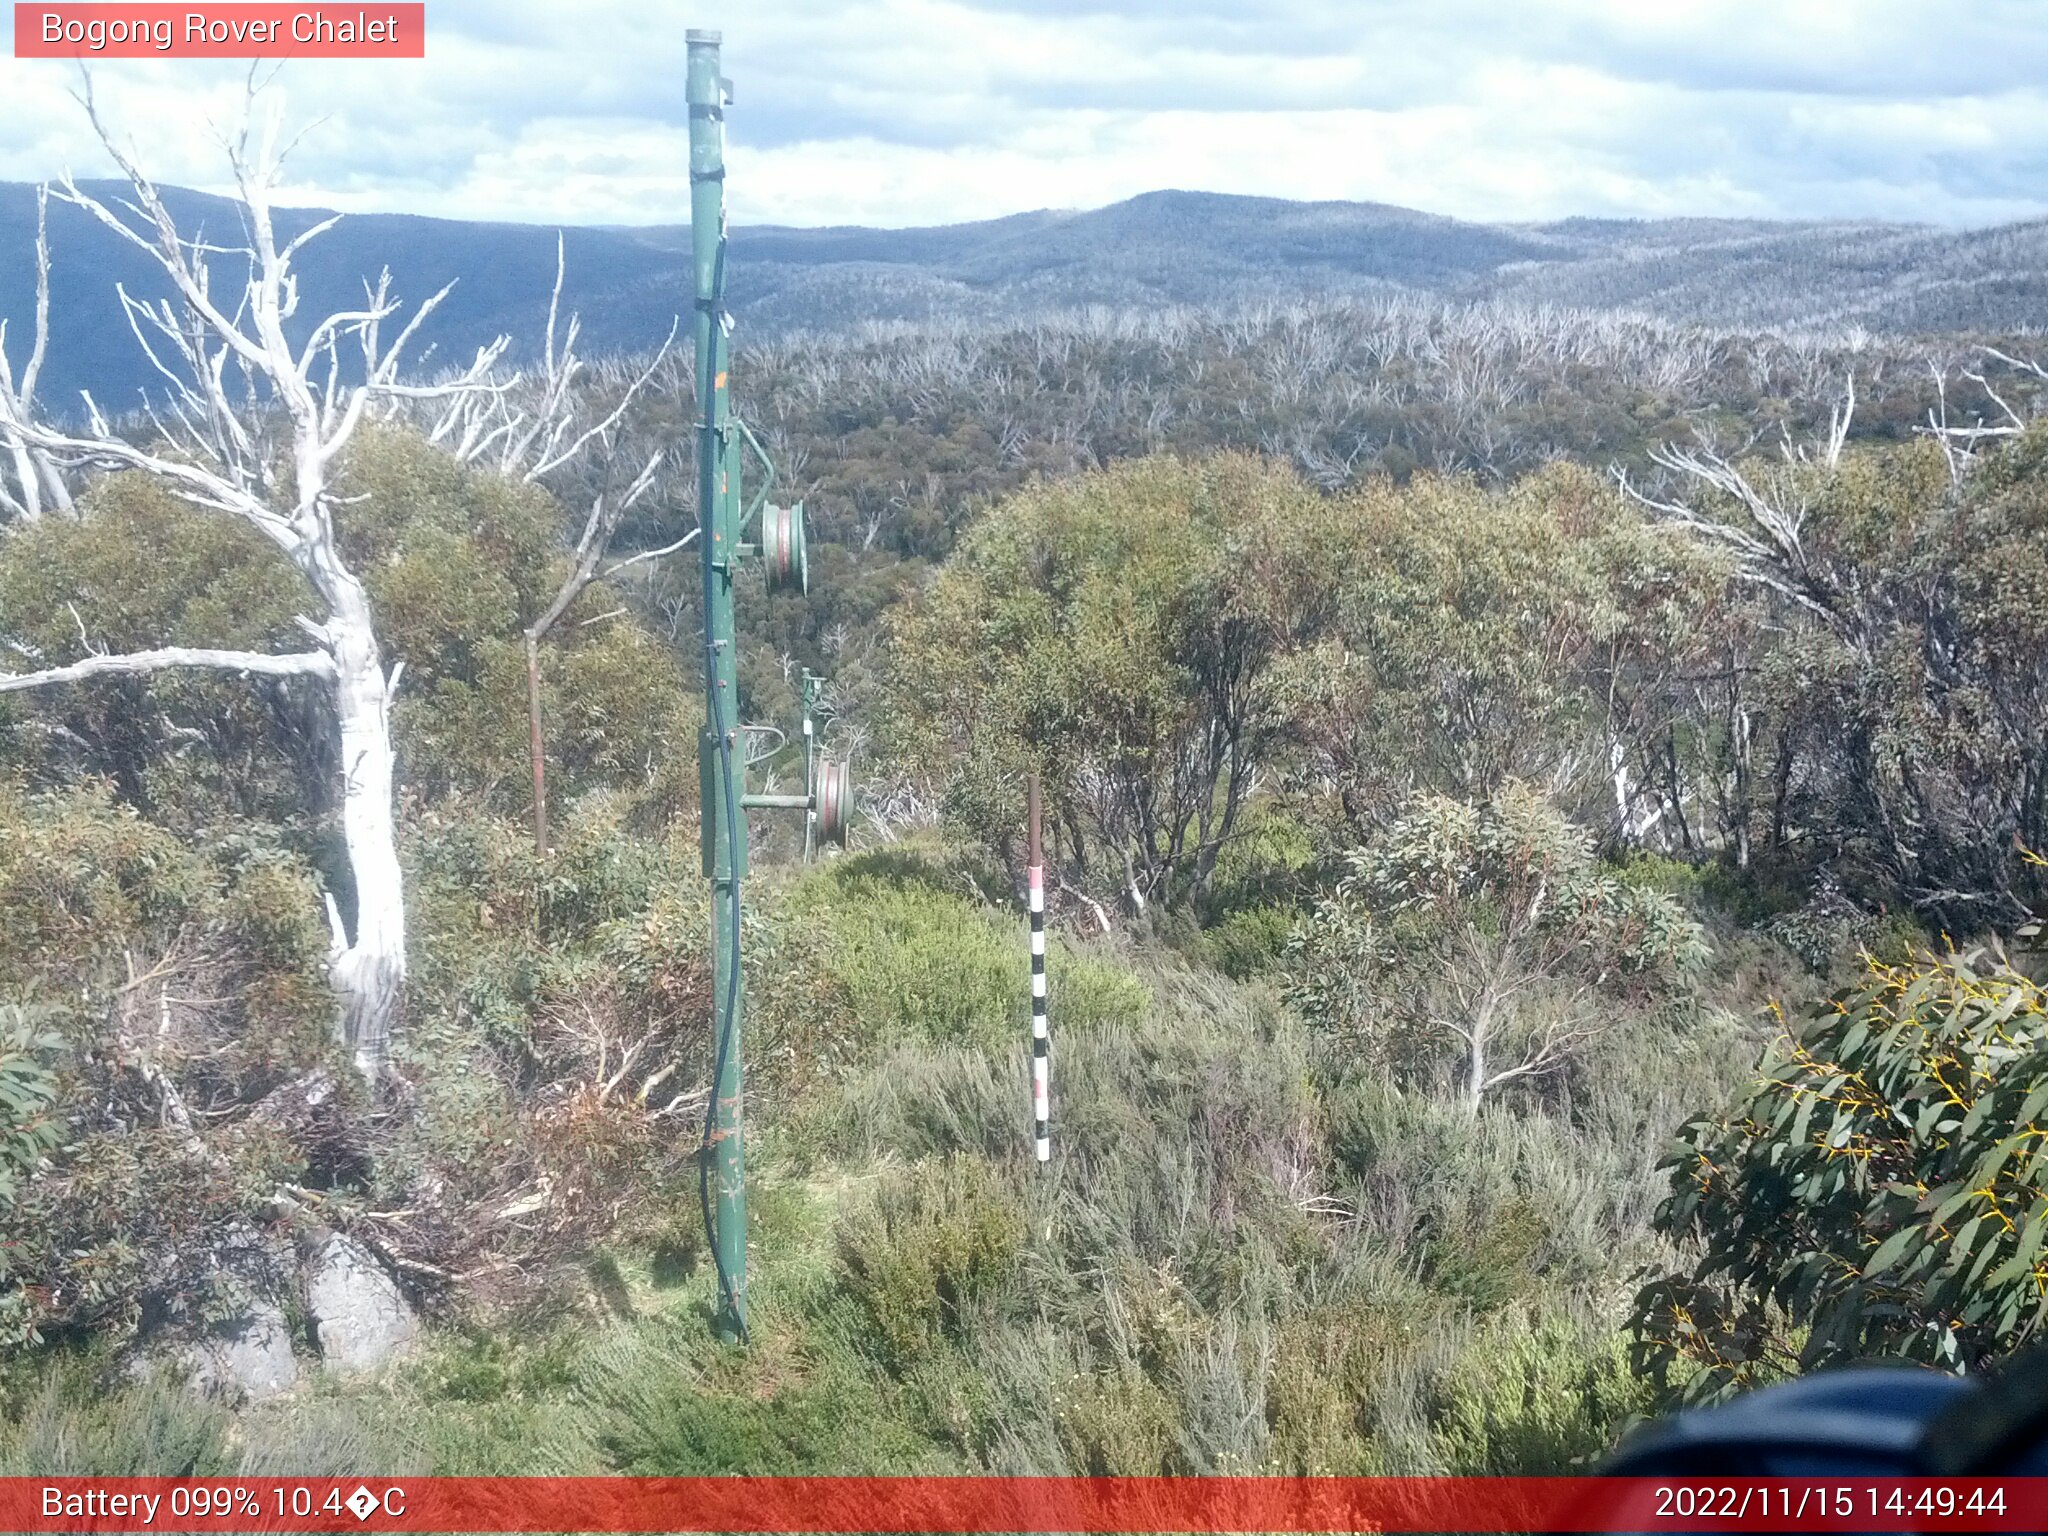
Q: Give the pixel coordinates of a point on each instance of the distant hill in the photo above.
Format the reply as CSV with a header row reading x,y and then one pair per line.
x,y
1161,248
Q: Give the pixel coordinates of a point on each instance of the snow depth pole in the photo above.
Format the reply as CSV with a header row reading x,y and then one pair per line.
x,y
1041,1040
721,756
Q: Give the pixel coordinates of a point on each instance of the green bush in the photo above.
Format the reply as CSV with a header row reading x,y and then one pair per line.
x,y
140,568
1118,631
1118,1423
77,1424
29,1127
930,1256
84,880
1251,941
910,959
1491,1209
1484,939
1536,1396
1878,1190
779,1416
1266,863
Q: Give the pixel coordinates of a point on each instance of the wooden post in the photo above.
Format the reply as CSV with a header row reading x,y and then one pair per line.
x,y
533,733
1041,1040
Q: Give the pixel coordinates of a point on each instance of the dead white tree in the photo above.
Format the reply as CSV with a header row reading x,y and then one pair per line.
x,y
1962,442
266,453
30,483
1772,504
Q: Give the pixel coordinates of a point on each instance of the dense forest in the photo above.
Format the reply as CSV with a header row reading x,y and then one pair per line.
x,y
1544,810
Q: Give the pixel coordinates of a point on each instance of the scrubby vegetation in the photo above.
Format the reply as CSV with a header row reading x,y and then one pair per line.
x,y
1428,849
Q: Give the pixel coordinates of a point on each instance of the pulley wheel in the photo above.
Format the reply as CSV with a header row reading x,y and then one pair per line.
x,y
835,800
783,549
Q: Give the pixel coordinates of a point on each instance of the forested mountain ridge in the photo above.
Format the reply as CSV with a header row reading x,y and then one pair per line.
x,y
1160,249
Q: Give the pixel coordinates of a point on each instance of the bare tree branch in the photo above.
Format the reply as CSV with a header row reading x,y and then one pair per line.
x,y
259,663
36,481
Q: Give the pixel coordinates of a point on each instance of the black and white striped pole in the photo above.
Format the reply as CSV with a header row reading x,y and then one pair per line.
x,y
1041,1039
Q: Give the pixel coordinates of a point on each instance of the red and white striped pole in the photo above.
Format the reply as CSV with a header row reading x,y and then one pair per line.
x,y
1041,1039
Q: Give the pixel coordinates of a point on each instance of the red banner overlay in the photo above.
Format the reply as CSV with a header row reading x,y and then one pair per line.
x,y
1003,1504
368,29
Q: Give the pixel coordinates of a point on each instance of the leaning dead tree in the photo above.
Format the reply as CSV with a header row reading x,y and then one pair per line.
x,y
250,427
1770,505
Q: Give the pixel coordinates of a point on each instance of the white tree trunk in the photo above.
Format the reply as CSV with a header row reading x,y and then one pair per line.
x,y
1477,1035
367,967
28,480
220,456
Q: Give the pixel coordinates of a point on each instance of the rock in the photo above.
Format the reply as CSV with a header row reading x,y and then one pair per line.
x,y
251,1358
250,1354
361,1319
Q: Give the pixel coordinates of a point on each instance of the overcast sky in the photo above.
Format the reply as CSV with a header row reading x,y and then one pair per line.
x,y
931,111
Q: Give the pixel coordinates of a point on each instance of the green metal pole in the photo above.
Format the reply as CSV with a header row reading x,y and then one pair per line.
x,y
721,758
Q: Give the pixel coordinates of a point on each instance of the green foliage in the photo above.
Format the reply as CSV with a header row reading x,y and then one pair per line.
x,y
146,1226
902,955
1490,1210
72,1425
140,568
1907,686
1118,1423
1118,632
1251,1258
449,553
1488,930
1535,1397
734,1417
486,1368
1482,636
1880,1189
458,563
29,1128
1268,860
1260,1249
155,977
1250,941
83,880
926,1256
612,707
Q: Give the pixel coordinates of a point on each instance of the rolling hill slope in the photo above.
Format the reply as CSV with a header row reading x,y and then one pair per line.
x,y
1160,248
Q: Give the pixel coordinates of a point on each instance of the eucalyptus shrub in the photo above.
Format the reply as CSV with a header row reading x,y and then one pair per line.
x,y
1880,1189
30,1128
1488,933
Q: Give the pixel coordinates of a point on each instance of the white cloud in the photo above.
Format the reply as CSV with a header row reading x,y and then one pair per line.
x,y
926,111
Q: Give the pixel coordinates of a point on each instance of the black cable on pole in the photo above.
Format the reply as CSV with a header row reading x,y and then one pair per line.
x,y
728,1005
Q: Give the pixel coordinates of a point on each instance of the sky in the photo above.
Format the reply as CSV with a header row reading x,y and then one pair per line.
x,y
908,112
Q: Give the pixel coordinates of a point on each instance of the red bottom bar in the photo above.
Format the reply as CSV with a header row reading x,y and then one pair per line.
x,y
1023,1504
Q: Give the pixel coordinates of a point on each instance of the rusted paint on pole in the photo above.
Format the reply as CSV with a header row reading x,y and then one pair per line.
x,y
1041,1035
